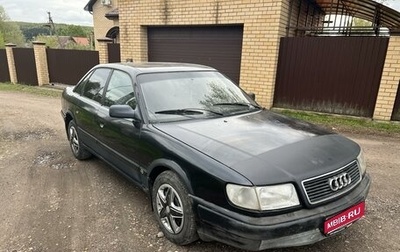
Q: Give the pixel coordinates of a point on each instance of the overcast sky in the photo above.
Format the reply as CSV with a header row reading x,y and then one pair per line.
x,y
68,11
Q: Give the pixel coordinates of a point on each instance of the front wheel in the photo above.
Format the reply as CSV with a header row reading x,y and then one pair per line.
x,y
173,209
76,146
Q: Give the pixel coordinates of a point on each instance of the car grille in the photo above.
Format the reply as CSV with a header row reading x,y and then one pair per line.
x,y
318,189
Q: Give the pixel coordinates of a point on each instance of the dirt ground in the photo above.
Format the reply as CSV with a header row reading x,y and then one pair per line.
x,y
52,202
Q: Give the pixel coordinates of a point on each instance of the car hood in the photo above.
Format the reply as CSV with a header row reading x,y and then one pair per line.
x,y
265,147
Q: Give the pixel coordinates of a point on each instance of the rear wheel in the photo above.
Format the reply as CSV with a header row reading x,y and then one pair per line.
x,y
173,209
76,146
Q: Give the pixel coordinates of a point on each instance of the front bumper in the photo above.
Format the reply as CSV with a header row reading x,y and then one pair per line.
x,y
297,228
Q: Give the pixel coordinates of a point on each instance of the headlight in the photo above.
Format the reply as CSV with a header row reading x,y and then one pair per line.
x,y
361,162
264,197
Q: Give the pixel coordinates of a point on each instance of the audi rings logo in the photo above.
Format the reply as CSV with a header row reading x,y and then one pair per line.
x,y
340,181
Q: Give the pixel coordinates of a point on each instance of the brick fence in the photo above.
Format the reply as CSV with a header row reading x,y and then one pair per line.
x,y
64,63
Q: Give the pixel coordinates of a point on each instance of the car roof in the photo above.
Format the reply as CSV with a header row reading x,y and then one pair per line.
x,y
157,67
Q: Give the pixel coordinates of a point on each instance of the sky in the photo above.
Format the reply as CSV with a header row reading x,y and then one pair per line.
x,y
394,4
69,11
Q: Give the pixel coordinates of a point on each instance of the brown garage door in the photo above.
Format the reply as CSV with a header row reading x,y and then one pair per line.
x,y
216,46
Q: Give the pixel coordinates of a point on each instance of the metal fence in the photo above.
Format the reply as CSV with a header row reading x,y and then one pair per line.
x,y
25,66
68,66
330,74
4,72
114,53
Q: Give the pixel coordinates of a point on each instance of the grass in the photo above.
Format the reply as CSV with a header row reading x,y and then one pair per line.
x,y
30,89
346,123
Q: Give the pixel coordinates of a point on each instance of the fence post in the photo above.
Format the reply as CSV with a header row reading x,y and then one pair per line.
x,y
42,68
11,62
103,49
389,82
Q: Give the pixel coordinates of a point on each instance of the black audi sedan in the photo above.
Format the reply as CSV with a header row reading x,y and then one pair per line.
x,y
216,165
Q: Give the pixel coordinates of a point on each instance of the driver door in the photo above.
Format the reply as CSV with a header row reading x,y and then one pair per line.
x,y
118,136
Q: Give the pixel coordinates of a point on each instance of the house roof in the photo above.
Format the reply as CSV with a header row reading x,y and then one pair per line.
x,y
89,5
364,9
81,41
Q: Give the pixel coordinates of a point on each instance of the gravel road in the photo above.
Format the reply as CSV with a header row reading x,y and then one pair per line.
x,y
52,202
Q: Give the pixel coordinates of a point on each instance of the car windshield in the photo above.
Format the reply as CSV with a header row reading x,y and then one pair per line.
x,y
187,95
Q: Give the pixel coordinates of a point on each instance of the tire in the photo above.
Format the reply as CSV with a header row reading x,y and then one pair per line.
x,y
173,209
76,146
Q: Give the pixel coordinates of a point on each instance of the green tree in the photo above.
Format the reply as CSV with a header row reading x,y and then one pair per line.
x,y
3,14
358,22
12,34
33,31
2,43
51,41
71,30
10,31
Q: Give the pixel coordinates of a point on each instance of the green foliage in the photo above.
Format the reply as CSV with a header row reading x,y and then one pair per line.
x,y
12,34
71,30
51,41
2,43
10,31
31,30
3,15
358,22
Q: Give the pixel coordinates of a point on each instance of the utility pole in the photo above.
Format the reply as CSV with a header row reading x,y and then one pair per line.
x,y
50,24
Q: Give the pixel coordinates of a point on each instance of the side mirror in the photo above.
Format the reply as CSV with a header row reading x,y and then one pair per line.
x,y
252,95
125,111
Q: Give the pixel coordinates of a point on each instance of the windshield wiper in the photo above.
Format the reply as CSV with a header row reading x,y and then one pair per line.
x,y
249,105
188,111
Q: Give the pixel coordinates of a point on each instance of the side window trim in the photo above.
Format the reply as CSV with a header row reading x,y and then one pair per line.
x,y
109,81
102,80
82,83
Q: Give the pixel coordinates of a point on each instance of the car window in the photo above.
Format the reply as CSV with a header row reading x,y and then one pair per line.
x,y
94,87
78,89
120,90
166,93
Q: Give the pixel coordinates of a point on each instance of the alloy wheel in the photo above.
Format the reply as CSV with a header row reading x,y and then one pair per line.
x,y
170,209
74,140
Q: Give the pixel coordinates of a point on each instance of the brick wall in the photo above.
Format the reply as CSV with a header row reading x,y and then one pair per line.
x,y
264,23
100,22
389,82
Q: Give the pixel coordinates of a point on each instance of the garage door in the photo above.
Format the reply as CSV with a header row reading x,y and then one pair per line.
x,y
216,46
